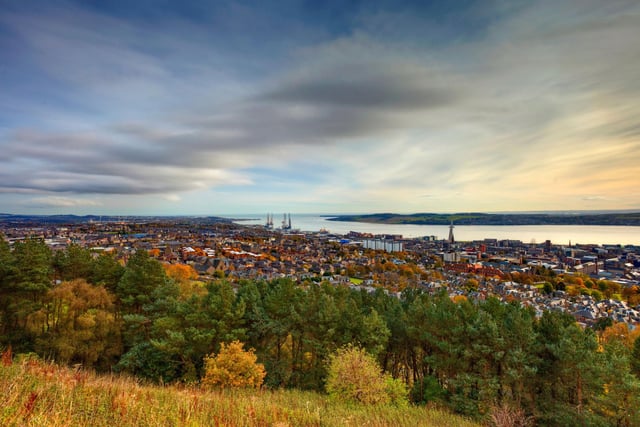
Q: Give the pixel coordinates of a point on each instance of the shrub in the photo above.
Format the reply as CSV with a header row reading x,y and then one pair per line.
x,y
233,367
510,416
396,390
354,376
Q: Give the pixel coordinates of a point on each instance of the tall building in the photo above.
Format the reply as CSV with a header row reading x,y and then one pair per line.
x,y
451,239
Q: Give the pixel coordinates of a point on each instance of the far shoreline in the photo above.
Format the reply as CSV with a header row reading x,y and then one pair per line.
x,y
600,219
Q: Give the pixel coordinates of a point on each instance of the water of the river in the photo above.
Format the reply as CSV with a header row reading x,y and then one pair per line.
x,y
558,234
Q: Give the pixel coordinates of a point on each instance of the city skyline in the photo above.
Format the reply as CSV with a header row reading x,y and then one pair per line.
x,y
226,107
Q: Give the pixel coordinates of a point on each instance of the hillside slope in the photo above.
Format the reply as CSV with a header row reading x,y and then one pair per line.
x,y
42,394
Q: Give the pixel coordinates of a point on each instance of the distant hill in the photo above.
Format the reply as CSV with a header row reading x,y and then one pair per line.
x,y
474,218
76,219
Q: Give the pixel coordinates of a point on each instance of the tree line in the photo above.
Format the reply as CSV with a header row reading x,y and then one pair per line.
x,y
157,323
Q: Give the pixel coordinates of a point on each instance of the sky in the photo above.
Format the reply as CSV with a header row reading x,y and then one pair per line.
x,y
159,107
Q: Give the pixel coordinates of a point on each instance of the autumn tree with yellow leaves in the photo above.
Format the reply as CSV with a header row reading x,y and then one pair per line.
x,y
233,367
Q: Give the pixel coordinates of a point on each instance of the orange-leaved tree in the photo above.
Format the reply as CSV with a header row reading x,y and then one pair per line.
x,y
233,367
185,277
181,273
621,333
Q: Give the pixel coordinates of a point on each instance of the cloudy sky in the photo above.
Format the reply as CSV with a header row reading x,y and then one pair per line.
x,y
222,107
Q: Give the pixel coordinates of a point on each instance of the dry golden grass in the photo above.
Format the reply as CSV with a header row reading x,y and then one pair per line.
x,y
35,393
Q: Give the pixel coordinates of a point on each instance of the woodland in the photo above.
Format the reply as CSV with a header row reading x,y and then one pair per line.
x,y
157,322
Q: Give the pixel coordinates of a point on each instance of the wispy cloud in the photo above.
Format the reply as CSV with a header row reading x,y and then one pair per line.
x,y
531,106
59,202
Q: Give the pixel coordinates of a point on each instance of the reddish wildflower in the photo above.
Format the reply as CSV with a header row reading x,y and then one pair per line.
x,y
30,404
7,357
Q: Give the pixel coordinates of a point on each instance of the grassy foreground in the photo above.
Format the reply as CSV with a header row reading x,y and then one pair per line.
x,y
35,393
